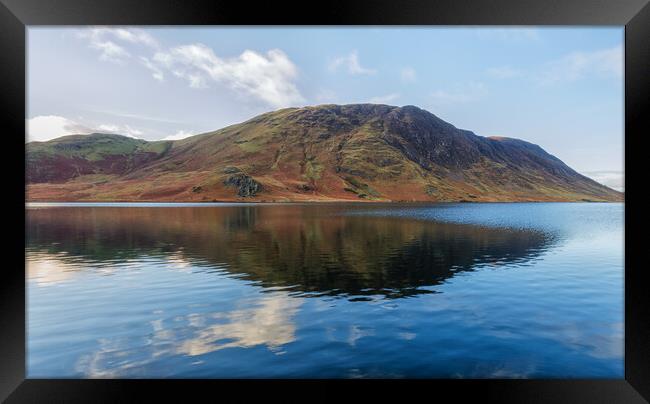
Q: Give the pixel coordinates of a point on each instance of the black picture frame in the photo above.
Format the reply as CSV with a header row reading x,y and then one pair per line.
x,y
17,15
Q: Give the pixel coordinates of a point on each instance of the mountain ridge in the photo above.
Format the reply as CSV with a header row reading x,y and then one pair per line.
x,y
361,152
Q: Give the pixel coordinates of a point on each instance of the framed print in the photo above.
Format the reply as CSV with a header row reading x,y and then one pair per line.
x,y
379,198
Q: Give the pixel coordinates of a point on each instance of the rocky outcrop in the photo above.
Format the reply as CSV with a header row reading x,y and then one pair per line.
x,y
317,153
246,186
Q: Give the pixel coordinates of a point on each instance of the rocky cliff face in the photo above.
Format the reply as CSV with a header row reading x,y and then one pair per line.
x,y
245,185
360,152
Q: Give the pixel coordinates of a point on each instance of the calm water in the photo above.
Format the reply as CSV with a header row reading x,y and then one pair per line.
x,y
339,290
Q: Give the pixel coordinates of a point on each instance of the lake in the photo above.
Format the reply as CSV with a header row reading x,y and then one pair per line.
x,y
503,290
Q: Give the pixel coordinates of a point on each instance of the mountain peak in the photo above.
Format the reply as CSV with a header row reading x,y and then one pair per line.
x,y
329,152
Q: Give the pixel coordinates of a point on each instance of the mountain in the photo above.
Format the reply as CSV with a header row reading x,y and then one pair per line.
x,y
358,152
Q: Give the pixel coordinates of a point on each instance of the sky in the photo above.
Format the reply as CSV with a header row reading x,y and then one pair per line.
x,y
560,88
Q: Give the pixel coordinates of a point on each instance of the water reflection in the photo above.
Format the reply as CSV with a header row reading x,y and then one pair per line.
x,y
308,250
267,322
325,291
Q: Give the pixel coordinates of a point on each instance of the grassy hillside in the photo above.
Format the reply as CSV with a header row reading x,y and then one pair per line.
x,y
359,152
68,157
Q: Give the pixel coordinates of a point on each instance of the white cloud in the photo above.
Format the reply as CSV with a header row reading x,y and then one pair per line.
x,y
612,179
111,52
105,41
383,99
269,77
156,72
136,36
504,72
124,130
47,127
577,65
351,63
181,134
461,94
408,74
108,128
508,34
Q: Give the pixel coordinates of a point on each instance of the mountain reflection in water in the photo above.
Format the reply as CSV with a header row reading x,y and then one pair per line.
x,y
309,250
325,290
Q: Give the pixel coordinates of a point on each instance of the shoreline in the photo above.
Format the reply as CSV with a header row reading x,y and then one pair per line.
x,y
211,203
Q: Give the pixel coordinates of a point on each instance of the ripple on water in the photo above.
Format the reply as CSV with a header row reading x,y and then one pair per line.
x,y
444,290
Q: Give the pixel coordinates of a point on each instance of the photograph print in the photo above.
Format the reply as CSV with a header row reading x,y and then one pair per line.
x,y
324,202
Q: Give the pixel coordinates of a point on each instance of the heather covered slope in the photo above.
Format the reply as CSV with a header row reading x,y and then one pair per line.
x,y
360,152
68,157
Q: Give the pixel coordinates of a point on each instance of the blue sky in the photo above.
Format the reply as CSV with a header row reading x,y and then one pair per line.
x,y
561,88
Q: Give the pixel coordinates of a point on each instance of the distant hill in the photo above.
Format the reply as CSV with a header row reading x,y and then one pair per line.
x,y
358,152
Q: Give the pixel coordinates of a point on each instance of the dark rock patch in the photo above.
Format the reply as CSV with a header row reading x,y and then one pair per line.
x,y
305,187
246,186
430,190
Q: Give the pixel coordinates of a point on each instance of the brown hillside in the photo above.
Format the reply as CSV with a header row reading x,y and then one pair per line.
x,y
360,152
